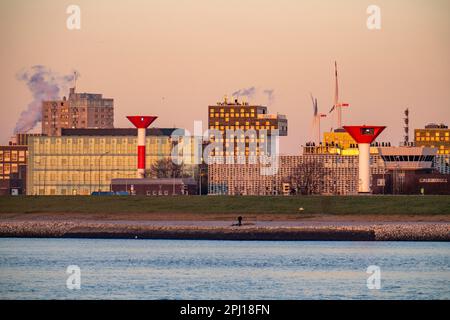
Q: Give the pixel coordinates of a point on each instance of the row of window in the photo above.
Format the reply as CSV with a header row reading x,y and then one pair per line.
x,y
8,168
231,110
407,158
247,127
13,156
433,139
437,134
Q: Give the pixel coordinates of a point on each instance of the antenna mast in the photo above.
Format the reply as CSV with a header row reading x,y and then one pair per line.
x,y
406,127
75,76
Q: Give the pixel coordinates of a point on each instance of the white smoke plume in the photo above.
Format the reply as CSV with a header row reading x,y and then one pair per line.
x,y
44,84
252,91
246,92
270,95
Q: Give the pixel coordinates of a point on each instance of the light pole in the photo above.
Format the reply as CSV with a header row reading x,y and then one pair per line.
x,y
99,169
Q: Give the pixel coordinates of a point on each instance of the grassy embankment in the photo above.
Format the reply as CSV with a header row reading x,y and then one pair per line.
x,y
333,205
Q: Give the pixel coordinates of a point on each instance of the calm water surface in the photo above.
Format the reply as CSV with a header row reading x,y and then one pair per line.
x,y
175,269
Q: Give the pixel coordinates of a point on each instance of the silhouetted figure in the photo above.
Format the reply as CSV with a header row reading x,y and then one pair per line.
x,y
239,221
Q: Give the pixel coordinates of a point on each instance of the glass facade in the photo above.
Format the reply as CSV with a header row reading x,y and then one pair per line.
x,y
80,165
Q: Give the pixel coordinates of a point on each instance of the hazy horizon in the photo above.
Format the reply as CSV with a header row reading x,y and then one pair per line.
x,y
173,58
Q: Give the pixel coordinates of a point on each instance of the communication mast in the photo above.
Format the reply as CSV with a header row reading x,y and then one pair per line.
x,y
406,127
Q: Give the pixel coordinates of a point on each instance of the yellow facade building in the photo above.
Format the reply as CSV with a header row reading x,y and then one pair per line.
x,y
342,139
435,136
81,163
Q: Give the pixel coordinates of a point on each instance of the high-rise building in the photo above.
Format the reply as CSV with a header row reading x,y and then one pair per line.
x,y
81,110
238,116
434,136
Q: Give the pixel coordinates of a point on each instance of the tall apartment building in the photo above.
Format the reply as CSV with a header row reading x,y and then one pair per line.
x,y
434,136
80,110
243,116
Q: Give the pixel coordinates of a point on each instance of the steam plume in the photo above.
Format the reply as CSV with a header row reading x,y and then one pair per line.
x,y
44,84
270,95
245,92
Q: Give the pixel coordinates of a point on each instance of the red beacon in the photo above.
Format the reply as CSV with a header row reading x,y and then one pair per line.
x,y
364,136
141,123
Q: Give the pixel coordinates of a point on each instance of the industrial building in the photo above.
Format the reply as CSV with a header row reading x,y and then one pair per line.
x,y
80,110
410,170
82,161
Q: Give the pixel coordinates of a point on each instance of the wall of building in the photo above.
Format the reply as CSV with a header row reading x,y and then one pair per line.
x,y
442,163
12,161
79,165
411,182
81,110
433,137
333,174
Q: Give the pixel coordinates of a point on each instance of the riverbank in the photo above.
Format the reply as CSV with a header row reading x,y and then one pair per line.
x,y
365,218
223,230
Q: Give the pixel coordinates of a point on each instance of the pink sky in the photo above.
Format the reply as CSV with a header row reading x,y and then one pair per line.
x,y
194,52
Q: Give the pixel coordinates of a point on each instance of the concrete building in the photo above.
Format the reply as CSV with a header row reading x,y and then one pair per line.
x,y
13,162
302,174
81,110
233,116
82,161
155,187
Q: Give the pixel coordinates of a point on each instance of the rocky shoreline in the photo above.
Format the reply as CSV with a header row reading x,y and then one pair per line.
x,y
130,230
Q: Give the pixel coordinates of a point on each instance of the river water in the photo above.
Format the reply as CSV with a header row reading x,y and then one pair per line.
x,y
180,269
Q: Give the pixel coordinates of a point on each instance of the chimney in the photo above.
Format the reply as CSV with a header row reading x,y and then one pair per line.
x,y
141,123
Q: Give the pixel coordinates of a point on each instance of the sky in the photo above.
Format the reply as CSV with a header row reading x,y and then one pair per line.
x,y
173,58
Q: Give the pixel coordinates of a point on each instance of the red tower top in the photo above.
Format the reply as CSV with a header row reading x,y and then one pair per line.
x,y
141,121
364,134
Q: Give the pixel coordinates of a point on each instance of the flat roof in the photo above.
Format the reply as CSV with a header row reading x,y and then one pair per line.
x,y
116,132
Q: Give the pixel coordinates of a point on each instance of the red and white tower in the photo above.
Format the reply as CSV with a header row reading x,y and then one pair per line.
x,y
364,136
141,123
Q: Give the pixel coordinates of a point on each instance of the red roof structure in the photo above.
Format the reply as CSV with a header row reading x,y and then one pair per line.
x,y
141,121
364,134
